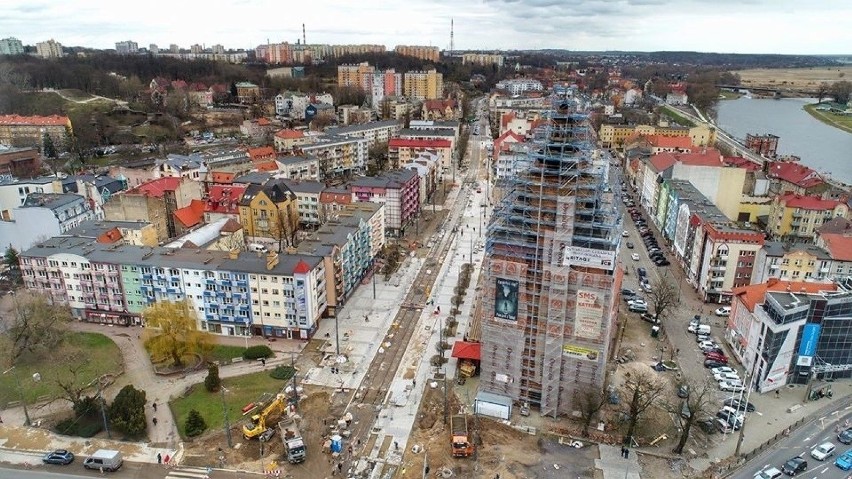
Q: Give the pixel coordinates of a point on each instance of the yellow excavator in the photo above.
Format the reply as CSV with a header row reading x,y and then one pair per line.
x,y
257,426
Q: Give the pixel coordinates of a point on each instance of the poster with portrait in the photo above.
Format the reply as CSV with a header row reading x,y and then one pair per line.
x,y
506,299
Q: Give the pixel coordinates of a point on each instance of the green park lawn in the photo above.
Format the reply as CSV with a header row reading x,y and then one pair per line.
x,y
843,122
95,355
239,391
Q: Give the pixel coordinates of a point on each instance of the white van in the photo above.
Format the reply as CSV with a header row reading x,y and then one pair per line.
x,y
703,329
257,248
104,459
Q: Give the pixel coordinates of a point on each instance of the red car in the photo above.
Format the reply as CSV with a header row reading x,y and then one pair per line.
x,y
717,357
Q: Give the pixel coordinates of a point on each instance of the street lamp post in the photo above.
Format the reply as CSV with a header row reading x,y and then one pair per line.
x,y
225,417
27,421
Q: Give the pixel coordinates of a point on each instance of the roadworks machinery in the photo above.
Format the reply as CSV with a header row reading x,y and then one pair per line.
x,y
267,415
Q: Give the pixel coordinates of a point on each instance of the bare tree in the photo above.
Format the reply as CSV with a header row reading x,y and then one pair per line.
x,y
698,402
590,401
644,388
287,226
822,91
69,380
35,325
662,296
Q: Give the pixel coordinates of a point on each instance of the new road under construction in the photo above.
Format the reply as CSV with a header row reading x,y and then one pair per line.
x,y
374,391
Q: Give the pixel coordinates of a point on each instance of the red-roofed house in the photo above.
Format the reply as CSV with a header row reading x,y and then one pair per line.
x,y
740,162
503,141
289,140
221,177
223,201
403,150
522,125
154,202
440,110
189,217
256,129
266,166
262,153
26,131
795,177
660,143
795,215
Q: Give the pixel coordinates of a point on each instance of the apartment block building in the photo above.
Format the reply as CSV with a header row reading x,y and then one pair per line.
x,y
423,85
229,293
403,150
792,332
485,59
518,86
432,54
346,245
355,75
28,131
793,215
298,168
792,262
287,140
11,46
375,132
128,47
398,190
43,215
49,49
614,135
310,211
337,155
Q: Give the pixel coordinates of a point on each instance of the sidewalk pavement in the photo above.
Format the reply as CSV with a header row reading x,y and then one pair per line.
x,y
615,466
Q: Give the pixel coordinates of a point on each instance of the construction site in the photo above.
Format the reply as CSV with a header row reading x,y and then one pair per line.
x,y
550,274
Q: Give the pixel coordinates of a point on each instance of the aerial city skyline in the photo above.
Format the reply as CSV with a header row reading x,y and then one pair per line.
x,y
630,25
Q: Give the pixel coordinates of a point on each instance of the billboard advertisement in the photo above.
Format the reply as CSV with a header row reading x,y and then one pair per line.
x,y
810,337
588,315
506,299
594,258
579,352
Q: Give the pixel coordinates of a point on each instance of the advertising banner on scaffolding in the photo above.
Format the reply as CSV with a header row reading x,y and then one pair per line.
x,y
506,299
593,258
580,352
588,315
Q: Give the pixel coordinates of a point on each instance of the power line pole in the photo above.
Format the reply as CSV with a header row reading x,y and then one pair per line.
x,y
295,385
103,409
225,417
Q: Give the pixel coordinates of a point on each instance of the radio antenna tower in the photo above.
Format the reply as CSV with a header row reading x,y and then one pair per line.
x,y
451,38
304,40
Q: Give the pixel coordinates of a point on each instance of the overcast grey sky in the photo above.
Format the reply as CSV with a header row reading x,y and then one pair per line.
x,y
738,26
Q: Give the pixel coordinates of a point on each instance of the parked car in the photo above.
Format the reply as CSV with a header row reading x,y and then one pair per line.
x,y
708,426
730,386
723,426
707,344
723,311
662,262
642,272
717,357
726,377
712,363
795,465
627,293
731,420
59,456
725,369
635,307
634,256
625,234
823,451
712,350
737,404
683,391
629,245
638,302
843,461
845,437
646,287
768,473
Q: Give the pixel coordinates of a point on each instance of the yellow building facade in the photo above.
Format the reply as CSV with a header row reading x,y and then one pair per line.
x,y
613,136
423,85
269,211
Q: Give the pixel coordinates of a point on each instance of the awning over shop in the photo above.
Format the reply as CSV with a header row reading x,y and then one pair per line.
x,y
466,350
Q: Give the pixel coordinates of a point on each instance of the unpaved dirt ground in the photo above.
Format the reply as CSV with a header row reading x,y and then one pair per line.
x,y
794,77
318,403
500,449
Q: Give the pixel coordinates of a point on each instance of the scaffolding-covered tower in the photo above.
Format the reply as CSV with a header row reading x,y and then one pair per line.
x,y
551,271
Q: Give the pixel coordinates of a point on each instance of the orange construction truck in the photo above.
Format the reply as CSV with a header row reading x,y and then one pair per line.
x,y
462,445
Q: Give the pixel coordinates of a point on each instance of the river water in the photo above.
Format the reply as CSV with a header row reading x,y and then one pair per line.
x,y
821,147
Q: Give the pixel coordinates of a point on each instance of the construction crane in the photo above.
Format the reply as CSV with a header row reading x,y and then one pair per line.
x,y
257,426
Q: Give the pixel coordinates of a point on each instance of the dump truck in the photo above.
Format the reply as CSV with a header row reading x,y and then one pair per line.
x,y
462,445
294,446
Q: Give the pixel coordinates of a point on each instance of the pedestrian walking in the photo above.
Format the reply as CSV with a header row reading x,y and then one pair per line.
x,y
155,407
777,394
154,421
166,459
159,458
622,451
340,466
626,453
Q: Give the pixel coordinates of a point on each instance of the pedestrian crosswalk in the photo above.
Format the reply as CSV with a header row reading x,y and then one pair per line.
x,y
188,473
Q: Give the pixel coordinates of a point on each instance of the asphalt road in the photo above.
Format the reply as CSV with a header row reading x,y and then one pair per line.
x,y
128,471
800,442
